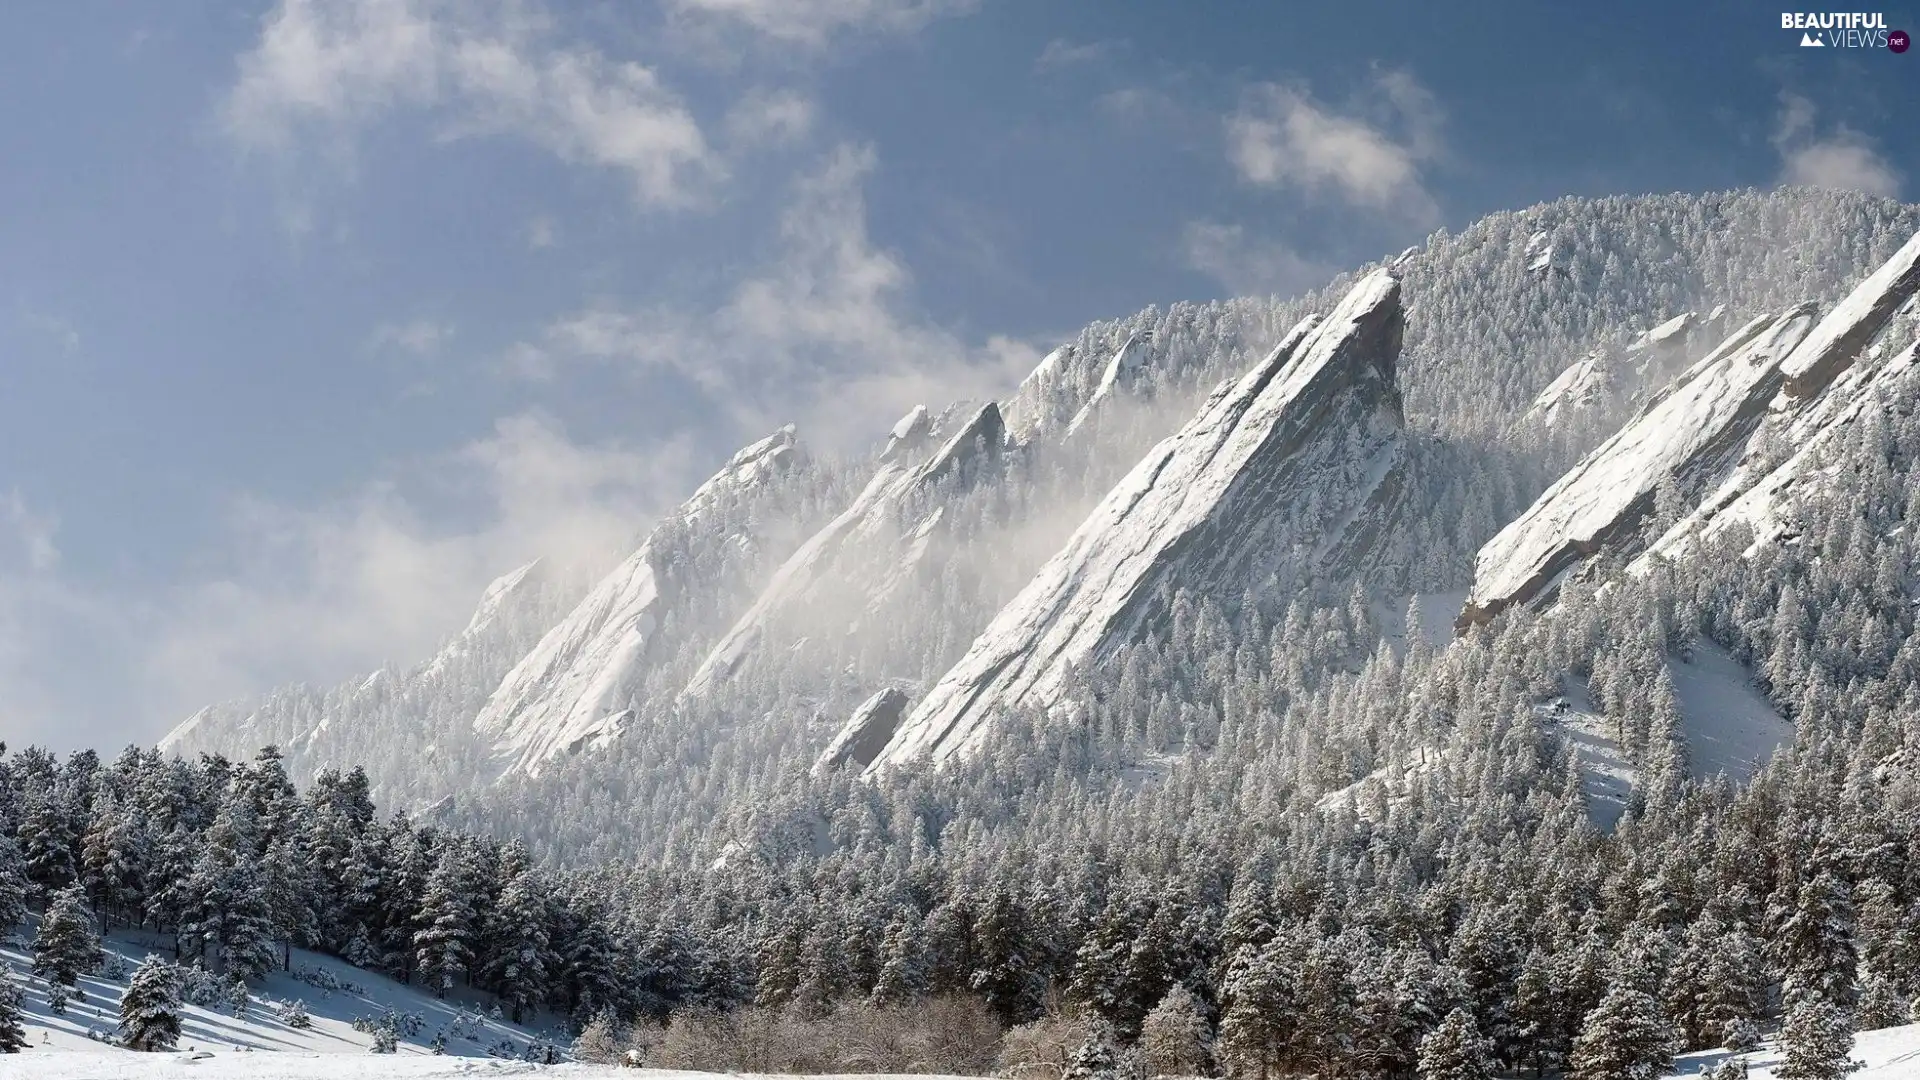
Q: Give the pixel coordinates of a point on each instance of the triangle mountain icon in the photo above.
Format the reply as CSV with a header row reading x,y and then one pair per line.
x,y
1808,41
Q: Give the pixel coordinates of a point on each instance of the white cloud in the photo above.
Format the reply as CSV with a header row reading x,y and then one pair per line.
x,y
1248,268
770,117
542,232
824,334
1369,155
421,337
1060,53
326,67
388,573
30,534
51,327
1843,159
814,23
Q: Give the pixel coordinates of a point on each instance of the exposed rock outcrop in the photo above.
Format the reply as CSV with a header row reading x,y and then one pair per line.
x,y
1291,465
565,694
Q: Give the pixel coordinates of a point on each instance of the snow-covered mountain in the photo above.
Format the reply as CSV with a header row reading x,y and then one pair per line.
x,y
1529,338
567,692
1294,465
1691,443
851,568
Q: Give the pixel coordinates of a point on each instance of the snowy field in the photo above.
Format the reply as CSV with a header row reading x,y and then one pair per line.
x,y
334,993
1889,1054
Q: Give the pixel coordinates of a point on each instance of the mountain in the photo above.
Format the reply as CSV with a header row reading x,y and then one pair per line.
x,y
568,692
1289,467
1691,442
781,613
863,557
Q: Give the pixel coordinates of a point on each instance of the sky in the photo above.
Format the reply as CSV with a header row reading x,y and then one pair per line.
x,y
317,315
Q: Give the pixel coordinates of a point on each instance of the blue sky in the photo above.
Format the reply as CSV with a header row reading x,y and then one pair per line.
x,y
316,315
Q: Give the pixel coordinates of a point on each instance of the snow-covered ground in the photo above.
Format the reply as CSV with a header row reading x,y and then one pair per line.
x,y
335,993
1730,725
1889,1054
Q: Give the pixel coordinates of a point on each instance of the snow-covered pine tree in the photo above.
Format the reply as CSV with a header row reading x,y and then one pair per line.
x,y
13,1031
14,888
521,954
150,1009
67,945
1456,1050
1174,1038
228,921
447,920
1816,1042
1626,1037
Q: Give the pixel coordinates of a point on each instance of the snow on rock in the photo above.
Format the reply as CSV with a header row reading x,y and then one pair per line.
x,y
866,732
1299,455
503,593
1763,500
1584,383
1690,432
1539,253
1120,373
858,552
1031,405
1853,323
563,695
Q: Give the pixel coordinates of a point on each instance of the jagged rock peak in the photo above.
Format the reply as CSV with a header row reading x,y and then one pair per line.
x,y
1119,373
1760,498
858,551
1840,337
1316,424
566,693
1688,434
865,733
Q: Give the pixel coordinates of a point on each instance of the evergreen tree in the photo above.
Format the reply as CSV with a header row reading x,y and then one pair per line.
x,y
1625,1038
521,954
150,1009
13,1031
1456,1051
1174,1040
447,920
67,946
14,888
1815,1042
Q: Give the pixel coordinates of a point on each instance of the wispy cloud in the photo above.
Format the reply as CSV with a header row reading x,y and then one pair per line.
x,y
1248,267
1061,54
417,337
1843,158
770,117
322,69
825,333
1369,154
815,23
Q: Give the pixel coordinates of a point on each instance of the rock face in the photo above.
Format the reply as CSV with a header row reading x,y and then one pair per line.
x,y
1761,498
1119,373
1688,434
864,550
1296,461
563,694
1697,434
1854,322
865,733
